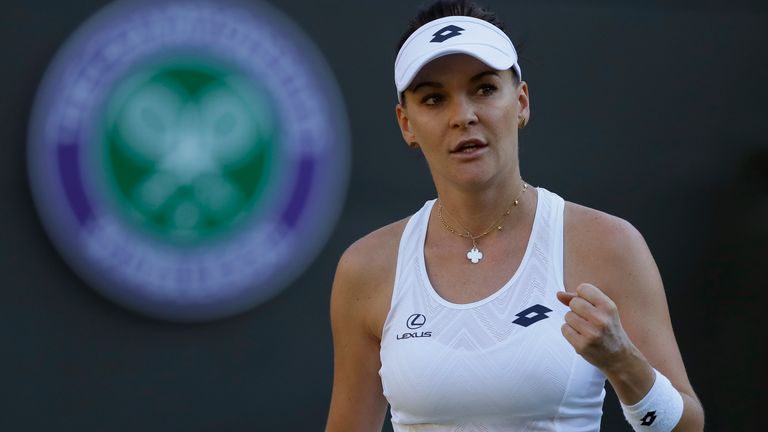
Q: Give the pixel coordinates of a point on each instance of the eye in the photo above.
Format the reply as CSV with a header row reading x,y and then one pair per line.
x,y
431,99
486,89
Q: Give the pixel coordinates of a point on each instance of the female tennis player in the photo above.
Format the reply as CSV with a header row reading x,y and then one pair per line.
x,y
497,306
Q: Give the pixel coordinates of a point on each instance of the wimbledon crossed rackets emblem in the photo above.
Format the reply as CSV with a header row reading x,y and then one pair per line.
x,y
188,158
188,151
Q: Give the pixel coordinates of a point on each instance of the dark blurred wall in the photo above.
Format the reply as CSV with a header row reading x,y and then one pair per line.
x,y
653,111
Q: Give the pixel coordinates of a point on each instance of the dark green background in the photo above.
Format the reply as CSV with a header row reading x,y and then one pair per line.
x,y
655,111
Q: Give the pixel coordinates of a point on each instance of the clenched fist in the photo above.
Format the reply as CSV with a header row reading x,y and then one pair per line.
x,y
593,327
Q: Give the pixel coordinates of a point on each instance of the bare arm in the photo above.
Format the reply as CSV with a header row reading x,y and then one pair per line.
x,y
359,303
619,319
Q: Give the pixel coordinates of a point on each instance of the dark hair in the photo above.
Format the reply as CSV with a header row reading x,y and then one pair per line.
x,y
444,8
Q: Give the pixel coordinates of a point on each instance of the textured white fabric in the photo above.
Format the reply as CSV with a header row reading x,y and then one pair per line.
x,y
477,366
659,410
454,35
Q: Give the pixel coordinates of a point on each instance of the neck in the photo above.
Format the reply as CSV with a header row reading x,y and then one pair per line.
x,y
475,210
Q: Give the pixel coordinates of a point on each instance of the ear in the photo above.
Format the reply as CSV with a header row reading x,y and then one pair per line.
x,y
525,101
405,124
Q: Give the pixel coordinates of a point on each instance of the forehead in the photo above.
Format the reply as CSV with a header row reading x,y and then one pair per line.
x,y
452,66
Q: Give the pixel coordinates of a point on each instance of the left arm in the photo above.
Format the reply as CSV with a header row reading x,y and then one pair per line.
x,y
619,321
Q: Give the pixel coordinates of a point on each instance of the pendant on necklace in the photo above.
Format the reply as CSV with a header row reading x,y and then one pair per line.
x,y
474,255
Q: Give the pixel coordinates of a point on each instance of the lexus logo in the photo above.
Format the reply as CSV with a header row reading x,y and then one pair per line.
x,y
416,321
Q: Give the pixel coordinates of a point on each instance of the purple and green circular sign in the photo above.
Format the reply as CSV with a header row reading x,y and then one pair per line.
x,y
189,158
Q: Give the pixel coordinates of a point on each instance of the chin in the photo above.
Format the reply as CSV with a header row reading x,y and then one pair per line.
x,y
474,179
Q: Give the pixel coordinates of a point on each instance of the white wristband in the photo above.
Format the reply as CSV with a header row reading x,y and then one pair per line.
x,y
659,411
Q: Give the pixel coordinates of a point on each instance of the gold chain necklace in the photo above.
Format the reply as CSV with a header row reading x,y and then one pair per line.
x,y
474,254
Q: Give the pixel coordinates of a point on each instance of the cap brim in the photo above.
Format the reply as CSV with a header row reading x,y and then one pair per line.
x,y
490,55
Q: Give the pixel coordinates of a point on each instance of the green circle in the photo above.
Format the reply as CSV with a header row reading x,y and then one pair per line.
x,y
187,149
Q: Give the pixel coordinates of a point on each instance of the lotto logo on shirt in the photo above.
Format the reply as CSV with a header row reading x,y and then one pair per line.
x,y
414,322
189,158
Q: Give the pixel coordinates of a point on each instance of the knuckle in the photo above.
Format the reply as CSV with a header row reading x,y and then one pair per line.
x,y
582,287
566,330
600,324
578,303
580,347
609,305
591,339
594,335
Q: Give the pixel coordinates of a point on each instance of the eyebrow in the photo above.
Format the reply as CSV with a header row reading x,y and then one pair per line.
x,y
426,84
484,73
476,77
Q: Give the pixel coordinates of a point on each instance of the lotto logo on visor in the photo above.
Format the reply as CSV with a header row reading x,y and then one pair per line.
x,y
446,33
479,39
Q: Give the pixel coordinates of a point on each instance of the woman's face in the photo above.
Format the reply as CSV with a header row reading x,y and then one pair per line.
x,y
464,116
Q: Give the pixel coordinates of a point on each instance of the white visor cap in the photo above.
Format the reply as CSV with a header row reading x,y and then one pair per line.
x,y
454,35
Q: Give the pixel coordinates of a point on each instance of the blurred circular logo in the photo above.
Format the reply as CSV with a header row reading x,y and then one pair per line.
x,y
188,158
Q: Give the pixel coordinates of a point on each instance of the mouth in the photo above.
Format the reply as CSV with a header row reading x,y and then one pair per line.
x,y
468,146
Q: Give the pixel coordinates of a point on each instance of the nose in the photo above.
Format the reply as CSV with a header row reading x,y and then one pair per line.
x,y
463,114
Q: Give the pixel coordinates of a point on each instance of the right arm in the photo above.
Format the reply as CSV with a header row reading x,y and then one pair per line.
x,y
360,301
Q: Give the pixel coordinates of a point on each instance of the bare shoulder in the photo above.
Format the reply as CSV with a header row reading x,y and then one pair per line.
x,y
365,276
373,256
360,300
599,229
607,251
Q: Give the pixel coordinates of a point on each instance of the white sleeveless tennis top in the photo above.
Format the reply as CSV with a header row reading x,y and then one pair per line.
x,y
498,364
